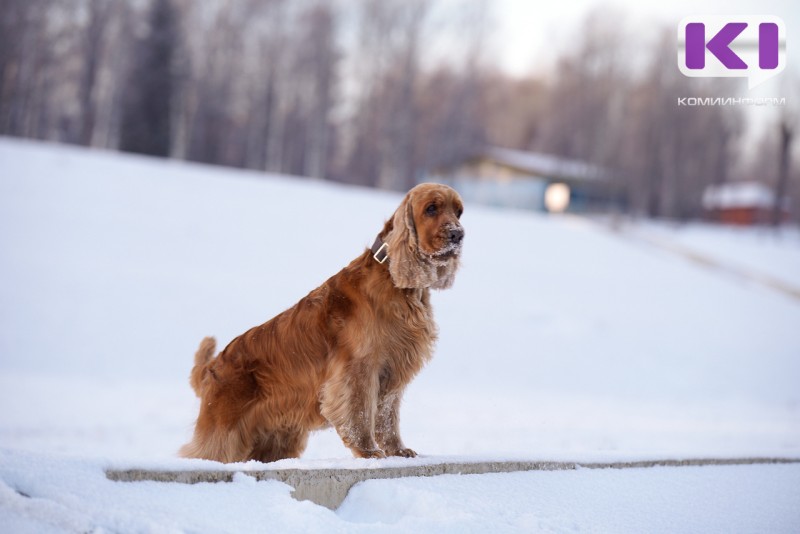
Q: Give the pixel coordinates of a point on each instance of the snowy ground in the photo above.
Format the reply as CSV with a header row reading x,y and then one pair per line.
x,y
560,339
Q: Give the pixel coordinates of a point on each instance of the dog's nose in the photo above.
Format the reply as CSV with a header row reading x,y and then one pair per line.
x,y
456,235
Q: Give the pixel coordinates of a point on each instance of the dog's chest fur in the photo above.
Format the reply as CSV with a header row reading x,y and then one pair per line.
x,y
390,326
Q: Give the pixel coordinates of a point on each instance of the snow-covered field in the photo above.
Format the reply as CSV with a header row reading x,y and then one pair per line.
x,y
560,340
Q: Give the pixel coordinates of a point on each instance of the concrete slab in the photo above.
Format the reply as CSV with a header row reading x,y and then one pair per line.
x,y
329,487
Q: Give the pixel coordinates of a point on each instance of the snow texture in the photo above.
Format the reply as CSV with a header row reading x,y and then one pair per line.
x,y
559,340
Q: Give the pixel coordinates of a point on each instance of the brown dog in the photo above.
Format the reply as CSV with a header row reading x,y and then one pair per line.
x,y
342,356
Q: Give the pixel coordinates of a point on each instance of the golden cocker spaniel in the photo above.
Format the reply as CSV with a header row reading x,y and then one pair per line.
x,y
342,356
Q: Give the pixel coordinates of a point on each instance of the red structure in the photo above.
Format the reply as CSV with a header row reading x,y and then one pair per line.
x,y
741,203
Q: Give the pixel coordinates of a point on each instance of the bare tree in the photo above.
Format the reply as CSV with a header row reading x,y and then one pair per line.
x,y
319,59
99,17
269,45
26,61
782,182
587,98
668,154
453,116
382,141
147,115
515,109
453,99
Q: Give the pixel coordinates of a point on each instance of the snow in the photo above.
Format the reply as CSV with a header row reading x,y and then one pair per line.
x,y
559,340
658,500
73,495
758,250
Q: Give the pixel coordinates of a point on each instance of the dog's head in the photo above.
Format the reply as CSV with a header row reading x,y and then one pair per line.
x,y
424,237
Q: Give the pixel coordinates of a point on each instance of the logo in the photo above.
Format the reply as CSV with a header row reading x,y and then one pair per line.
x,y
748,47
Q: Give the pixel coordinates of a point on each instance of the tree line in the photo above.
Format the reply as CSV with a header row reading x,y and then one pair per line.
x,y
373,92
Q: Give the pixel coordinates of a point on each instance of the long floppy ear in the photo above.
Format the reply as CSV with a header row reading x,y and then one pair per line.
x,y
404,261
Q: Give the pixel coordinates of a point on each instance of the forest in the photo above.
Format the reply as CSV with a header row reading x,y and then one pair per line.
x,y
377,93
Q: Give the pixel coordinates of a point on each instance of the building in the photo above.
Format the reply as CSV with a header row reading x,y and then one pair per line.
x,y
741,203
530,180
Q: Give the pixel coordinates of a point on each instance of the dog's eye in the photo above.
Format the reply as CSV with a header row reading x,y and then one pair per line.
x,y
459,211
431,210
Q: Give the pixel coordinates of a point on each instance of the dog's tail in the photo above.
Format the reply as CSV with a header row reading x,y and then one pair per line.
x,y
201,358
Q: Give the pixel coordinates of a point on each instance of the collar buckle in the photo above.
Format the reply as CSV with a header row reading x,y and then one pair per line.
x,y
381,253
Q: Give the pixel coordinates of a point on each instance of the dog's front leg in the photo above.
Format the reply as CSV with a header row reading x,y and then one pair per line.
x,y
387,425
349,403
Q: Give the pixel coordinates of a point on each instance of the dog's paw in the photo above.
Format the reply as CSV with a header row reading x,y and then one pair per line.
x,y
405,453
370,453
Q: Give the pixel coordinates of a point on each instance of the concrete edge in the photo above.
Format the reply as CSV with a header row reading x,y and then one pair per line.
x,y
329,487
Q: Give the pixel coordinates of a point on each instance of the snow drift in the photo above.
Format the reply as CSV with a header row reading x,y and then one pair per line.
x,y
560,339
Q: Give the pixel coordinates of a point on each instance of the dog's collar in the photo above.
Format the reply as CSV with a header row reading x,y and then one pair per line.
x,y
380,250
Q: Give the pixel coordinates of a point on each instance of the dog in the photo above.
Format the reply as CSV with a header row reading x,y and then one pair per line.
x,y
340,357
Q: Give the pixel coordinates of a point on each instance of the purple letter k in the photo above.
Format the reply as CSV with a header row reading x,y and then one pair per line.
x,y
718,45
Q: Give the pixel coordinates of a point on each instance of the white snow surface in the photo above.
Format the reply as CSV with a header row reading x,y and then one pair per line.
x,y
559,340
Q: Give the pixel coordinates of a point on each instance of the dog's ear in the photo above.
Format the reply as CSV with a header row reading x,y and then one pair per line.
x,y
403,242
